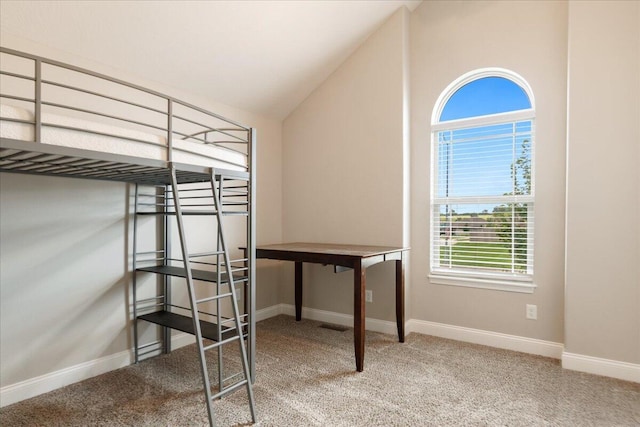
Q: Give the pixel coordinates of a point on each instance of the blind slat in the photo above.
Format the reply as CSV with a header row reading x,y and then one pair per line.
x,y
482,205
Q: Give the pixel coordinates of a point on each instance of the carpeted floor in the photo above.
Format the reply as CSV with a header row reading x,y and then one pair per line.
x,y
306,377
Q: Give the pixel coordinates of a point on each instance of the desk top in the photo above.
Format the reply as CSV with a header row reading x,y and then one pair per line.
x,y
359,251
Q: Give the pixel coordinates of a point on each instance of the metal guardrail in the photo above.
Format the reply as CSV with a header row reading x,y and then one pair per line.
x,y
54,83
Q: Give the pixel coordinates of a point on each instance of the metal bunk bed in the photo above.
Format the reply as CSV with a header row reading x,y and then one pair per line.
x,y
195,163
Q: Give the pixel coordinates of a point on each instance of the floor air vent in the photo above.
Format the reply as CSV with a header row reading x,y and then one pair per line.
x,y
334,327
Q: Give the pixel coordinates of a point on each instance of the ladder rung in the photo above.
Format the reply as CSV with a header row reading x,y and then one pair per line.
x,y
203,212
233,377
206,254
220,343
213,298
195,213
229,389
231,319
233,328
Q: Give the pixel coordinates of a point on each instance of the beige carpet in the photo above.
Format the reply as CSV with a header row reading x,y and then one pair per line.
x,y
306,377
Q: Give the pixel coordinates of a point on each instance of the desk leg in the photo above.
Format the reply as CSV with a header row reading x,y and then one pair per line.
x,y
298,291
359,284
400,297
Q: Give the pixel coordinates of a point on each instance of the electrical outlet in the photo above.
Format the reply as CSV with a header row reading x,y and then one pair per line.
x,y
238,294
368,296
532,311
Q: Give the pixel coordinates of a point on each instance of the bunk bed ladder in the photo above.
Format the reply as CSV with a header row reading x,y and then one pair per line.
x,y
238,327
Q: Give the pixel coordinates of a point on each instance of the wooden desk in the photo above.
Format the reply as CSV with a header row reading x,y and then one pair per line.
x,y
358,258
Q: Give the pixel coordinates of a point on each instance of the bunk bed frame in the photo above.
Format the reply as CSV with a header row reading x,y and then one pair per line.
x,y
216,185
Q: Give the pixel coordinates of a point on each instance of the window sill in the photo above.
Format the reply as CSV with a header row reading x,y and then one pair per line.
x,y
493,284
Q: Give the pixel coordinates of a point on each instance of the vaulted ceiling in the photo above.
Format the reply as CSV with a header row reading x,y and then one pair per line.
x,y
261,56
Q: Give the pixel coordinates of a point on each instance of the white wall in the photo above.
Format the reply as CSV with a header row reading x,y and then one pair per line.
x,y
63,273
449,39
343,168
64,266
603,183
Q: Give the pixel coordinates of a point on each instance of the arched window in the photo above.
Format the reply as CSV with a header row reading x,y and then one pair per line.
x,y
482,194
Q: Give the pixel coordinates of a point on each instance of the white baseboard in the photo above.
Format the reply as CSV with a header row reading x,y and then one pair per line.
x,y
383,326
626,371
606,367
35,386
476,336
268,312
44,383
491,339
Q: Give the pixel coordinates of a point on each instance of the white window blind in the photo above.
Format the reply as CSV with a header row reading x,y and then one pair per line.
x,y
482,215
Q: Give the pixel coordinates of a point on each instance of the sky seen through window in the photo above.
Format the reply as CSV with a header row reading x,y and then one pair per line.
x,y
478,161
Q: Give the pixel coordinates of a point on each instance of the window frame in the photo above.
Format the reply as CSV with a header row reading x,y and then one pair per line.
x,y
476,278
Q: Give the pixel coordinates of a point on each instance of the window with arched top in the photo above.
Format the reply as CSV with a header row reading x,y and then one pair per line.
x,y
482,194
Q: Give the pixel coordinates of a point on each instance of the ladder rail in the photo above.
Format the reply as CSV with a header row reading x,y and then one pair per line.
x,y
134,266
250,285
192,298
218,302
234,301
